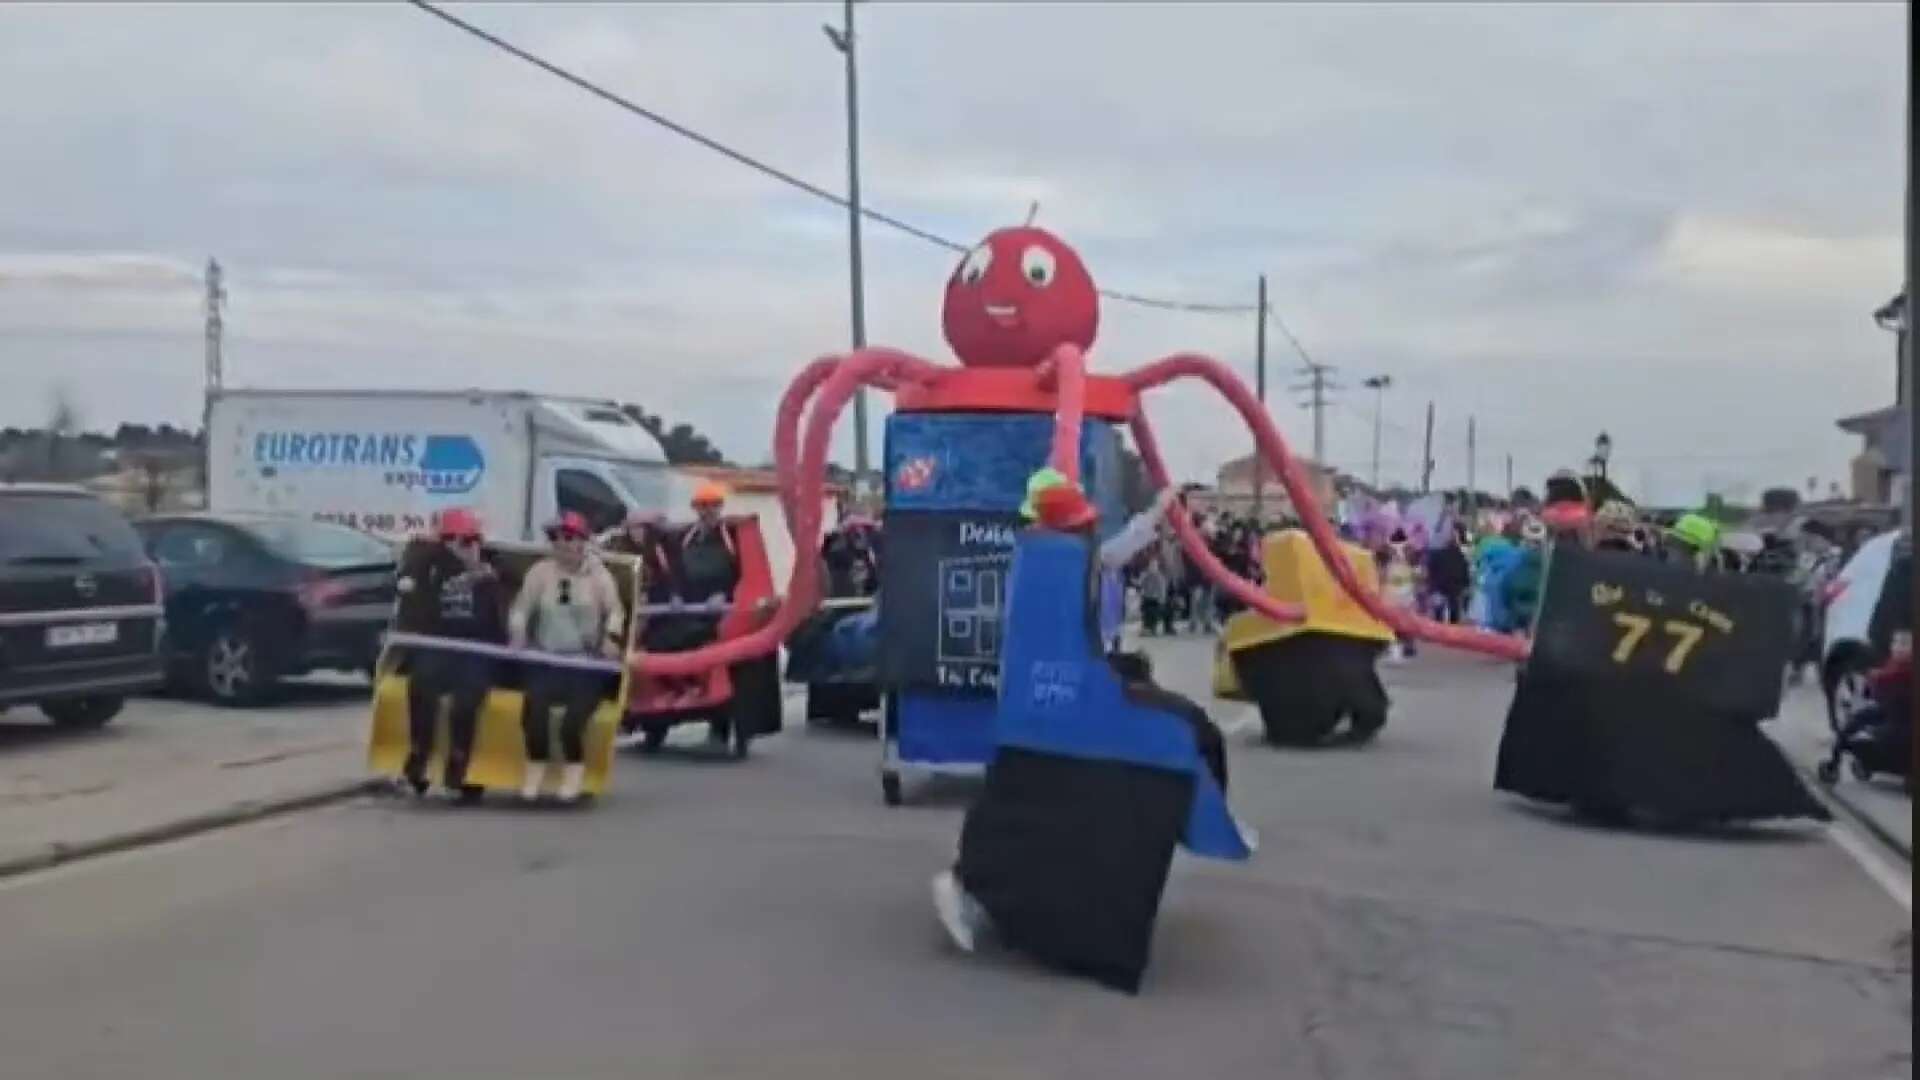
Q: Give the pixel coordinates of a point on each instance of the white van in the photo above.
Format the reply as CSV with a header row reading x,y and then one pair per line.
x,y
389,462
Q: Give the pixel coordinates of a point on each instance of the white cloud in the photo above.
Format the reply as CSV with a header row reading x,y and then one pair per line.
x,y
1671,221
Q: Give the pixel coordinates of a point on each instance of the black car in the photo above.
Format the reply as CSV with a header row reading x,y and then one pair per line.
x,y
80,612
253,599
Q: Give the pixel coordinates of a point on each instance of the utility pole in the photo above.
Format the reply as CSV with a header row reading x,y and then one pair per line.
x,y
1260,389
1906,337
216,365
1426,455
1473,496
1378,384
1317,386
843,40
1509,478
216,296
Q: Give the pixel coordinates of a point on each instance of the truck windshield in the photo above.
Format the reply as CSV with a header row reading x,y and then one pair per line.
x,y
644,485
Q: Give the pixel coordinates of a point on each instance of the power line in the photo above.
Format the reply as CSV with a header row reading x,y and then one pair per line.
x,y
818,192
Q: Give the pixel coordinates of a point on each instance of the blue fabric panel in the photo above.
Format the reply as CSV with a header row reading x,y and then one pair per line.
x,y
1059,695
981,461
944,729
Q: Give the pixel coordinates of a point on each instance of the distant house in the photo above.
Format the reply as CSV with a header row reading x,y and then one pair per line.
x,y
1879,472
1232,490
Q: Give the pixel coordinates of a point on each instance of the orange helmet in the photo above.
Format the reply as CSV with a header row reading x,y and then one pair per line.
x,y
710,493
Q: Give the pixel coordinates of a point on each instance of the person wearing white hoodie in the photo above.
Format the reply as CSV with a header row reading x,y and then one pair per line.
x,y
568,605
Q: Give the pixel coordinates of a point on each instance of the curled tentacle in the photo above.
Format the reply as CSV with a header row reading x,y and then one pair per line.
x,y
1243,590
1066,370
1273,449
876,367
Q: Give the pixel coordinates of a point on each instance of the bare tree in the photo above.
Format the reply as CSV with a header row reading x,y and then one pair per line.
x,y
153,481
63,421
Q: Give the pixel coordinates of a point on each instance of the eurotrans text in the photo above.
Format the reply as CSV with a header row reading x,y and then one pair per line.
x,y
436,464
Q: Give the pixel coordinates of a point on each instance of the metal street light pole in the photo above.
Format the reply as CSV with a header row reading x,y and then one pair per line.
x,y
843,40
1260,381
1378,384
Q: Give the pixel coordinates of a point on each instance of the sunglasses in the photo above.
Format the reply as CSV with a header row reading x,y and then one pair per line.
x,y
559,537
566,592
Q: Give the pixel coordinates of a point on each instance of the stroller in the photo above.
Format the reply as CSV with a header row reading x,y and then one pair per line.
x,y
1878,737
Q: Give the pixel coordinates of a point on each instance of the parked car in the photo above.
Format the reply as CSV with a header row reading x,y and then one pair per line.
x,y
1869,605
251,600
80,606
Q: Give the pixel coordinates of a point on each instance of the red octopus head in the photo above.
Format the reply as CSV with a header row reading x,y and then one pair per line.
x,y
1017,296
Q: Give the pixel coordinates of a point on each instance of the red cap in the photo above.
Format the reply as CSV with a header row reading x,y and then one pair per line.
x,y
1063,508
460,524
569,524
1565,515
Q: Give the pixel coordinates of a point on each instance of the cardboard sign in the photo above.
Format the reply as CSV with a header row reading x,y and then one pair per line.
x,y
1718,641
942,589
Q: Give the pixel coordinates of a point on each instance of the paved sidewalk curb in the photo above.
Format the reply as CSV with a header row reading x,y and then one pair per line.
x,y
58,854
1832,795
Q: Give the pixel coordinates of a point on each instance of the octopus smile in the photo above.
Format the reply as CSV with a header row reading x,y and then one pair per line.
x,y
1004,314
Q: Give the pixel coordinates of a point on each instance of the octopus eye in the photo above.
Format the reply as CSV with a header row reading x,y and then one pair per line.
x,y
974,266
1037,266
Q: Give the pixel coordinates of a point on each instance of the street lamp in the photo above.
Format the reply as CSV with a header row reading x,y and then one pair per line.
x,y
843,40
1602,451
1378,384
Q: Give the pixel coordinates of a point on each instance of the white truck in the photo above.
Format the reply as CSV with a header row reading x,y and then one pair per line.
x,y
389,462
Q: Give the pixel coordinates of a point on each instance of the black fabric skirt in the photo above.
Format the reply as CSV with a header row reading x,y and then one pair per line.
x,y
1306,684
1621,750
841,703
1070,856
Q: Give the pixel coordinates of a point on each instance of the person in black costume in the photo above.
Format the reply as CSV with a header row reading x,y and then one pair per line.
x,y
1626,749
1449,575
452,593
852,570
1064,857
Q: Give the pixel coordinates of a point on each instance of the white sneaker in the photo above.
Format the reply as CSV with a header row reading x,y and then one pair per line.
x,y
532,779
958,912
571,777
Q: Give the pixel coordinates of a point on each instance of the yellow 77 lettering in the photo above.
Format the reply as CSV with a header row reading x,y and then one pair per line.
x,y
1688,635
1636,627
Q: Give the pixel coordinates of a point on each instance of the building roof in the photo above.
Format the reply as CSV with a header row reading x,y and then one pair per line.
x,y
759,481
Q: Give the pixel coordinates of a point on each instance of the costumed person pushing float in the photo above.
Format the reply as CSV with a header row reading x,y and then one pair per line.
x,y
453,594
1094,777
1065,854
1642,699
570,606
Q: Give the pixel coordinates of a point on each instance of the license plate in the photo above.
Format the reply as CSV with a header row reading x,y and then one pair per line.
x,y
67,637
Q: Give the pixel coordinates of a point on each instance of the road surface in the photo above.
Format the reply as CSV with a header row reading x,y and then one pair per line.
x,y
770,918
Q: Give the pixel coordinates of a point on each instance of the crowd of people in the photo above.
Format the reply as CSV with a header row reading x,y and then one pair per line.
x,y
1483,567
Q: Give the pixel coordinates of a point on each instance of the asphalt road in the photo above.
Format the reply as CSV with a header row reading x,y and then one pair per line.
x,y
771,918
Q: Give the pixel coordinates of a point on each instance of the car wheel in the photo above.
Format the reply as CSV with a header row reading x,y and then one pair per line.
x,y
80,713
232,669
1847,689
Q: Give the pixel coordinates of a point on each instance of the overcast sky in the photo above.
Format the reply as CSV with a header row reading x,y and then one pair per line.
x,y
1671,223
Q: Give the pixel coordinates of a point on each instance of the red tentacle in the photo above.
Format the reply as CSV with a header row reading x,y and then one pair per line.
x,y
1274,450
1196,545
786,428
1066,370
884,368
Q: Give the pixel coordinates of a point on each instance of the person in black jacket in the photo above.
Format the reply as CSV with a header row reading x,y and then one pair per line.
x,y
1449,575
460,598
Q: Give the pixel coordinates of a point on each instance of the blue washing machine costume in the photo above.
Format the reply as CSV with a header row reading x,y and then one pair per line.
x,y
1093,782
955,483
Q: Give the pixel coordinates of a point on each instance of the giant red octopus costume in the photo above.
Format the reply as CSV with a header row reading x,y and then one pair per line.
x,y
1021,312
